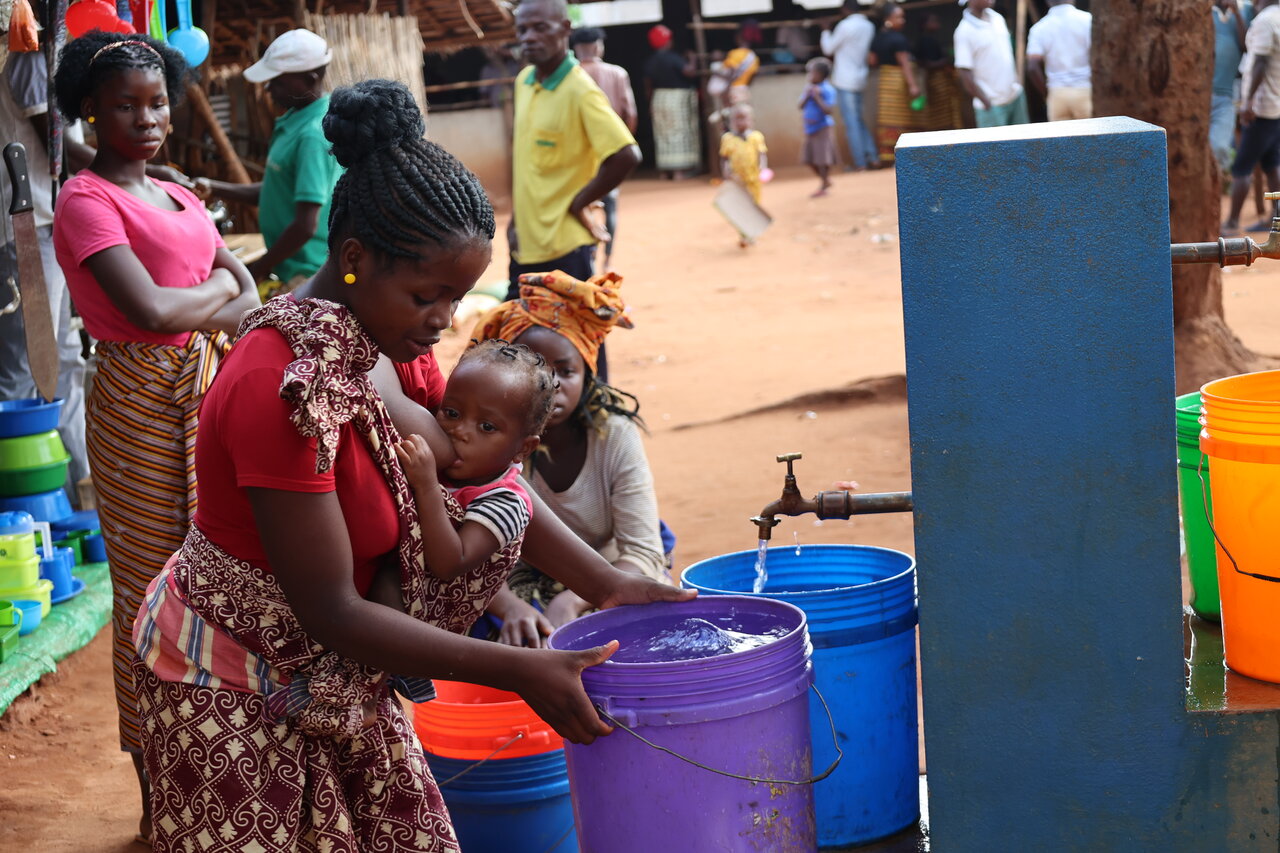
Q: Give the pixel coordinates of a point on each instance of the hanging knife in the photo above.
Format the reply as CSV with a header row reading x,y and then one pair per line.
x,y
42,344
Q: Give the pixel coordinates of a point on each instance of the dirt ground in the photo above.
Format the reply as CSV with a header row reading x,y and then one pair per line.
x,y
737,356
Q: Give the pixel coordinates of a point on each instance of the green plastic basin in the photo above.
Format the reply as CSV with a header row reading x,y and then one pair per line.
x,y
28,481
32,451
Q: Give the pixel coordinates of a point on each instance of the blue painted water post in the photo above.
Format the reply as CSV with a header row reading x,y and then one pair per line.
x,y
1039,340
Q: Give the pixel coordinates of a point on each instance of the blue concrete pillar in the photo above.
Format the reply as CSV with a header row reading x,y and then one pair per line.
x,y
1039,343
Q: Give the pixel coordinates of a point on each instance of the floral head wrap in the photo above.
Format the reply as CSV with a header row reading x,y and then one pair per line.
x,y
582,311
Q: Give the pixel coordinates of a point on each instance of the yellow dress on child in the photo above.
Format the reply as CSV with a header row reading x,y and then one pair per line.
x,y
743,154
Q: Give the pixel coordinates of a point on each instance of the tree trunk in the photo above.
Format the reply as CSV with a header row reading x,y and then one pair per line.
x,y
1152,61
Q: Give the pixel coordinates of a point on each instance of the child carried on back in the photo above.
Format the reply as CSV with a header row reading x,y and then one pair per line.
x,y
495,405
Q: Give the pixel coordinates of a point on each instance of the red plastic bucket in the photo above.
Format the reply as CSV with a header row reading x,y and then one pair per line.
x,y
470,721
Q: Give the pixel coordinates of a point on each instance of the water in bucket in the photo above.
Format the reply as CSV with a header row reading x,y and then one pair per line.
x,y
710,752
692,639
861,606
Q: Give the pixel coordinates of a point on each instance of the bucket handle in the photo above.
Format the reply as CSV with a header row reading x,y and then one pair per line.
x,y
835,740
518,736
1204,502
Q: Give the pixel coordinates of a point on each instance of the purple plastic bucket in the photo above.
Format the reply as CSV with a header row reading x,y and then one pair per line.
x,y
742,712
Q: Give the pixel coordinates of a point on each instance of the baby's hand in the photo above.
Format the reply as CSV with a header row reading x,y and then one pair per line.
x,y
416,458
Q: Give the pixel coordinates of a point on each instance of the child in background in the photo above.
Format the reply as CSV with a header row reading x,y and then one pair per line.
x,y
744,161
594,474
743,154
496,402
817,103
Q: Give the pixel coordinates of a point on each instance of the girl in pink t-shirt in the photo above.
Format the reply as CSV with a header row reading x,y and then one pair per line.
x,y
159,290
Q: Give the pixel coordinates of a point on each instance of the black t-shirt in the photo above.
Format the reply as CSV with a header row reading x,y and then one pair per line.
x,y
929,49
888,44
665,69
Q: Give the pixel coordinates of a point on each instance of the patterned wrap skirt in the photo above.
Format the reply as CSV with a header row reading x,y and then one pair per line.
x,y
942,110
675,129
141,433
894,116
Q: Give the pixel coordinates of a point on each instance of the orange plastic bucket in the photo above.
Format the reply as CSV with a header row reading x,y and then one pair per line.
x,y
1241,434
470,721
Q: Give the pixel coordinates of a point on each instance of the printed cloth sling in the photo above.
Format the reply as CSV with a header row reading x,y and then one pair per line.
x,y
325,694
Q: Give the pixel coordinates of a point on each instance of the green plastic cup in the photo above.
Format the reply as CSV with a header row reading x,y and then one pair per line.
x,y
1197,510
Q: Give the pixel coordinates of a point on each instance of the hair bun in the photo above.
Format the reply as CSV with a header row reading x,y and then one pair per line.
x,y
370,116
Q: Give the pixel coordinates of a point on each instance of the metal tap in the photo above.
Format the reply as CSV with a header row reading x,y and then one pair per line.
x,y
833,504
1231,251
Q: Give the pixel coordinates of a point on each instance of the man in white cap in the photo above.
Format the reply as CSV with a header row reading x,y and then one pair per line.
x,y
293,197
984,60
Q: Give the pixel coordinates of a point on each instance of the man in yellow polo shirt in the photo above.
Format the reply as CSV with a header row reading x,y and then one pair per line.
x,y
570,150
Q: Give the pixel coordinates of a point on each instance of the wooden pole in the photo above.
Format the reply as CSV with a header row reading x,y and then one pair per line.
x,y
700,45
209,24
1020,55
226,150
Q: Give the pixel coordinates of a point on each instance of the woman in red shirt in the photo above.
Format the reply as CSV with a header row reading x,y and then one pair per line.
x,y
158,290
269,646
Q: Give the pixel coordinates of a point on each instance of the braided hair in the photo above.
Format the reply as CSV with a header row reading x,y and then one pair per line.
x,y
539,381
84,63
599,400
399,190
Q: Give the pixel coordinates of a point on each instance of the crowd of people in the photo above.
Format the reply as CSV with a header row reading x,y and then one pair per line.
x,y
918,86
321,464
1244,121
303,518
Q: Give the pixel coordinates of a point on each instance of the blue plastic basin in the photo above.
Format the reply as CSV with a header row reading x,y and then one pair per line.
x,y
27,417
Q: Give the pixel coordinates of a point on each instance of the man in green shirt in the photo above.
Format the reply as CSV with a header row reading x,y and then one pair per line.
x,y
293,197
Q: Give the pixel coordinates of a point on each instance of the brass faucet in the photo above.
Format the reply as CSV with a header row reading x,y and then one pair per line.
x,y
1231,251
832,504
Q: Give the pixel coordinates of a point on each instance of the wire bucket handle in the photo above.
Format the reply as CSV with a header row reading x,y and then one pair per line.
x,y
1204,502
835,740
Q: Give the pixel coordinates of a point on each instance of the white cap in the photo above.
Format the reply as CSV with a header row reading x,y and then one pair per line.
x,y
296,50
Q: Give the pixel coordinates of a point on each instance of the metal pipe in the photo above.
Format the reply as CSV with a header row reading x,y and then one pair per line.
x,y
830,504
1230,251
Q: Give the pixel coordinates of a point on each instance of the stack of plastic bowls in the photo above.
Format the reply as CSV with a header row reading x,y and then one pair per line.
x,y
33,469
33,461
20,564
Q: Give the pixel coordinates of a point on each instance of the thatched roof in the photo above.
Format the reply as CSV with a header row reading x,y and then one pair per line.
x,y
244,27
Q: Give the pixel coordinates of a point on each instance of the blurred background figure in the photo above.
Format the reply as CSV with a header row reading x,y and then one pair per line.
x,y
1058,60
615,82
848,44
670,87
942,109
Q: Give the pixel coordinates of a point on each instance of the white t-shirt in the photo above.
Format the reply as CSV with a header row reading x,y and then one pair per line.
x,y
1062,38
847,46
611,505
1263,39
24,92
982,45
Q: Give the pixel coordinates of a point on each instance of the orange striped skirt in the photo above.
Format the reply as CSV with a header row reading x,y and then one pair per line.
x,y
141,432
895,116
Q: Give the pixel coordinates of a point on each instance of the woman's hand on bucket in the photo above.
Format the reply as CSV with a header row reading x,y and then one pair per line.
x,y
632,588
555,692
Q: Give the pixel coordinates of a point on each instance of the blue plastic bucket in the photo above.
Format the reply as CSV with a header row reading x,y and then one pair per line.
x,y
512,805
861,606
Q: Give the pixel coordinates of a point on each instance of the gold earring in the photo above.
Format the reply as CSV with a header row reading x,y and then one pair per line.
x,y
349,278
91,119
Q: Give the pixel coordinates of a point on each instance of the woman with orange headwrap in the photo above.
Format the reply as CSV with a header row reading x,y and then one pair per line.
x,y
594,473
